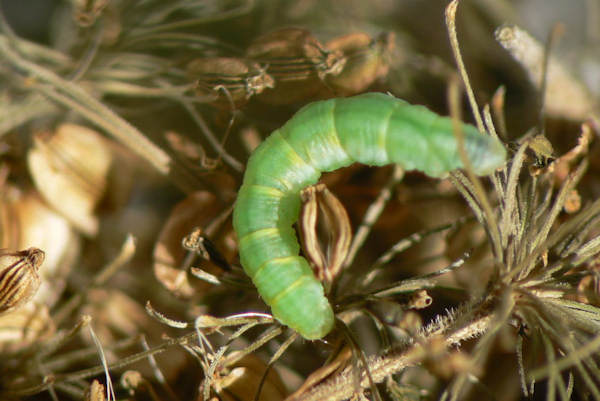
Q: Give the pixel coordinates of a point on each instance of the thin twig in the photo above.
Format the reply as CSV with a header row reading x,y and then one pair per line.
x,y
451,24
340,386
373,213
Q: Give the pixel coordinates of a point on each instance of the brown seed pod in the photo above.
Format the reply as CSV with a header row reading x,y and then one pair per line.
x,y
19,279
297,62
319,205
367,60
228,81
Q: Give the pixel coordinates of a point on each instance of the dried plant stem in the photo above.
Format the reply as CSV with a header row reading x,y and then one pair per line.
x,y
87,373
70,358
210,136
109,386
14,114
373,213
421,282
98,112
455,111
63,337
451,24
73,96
245,7
342,386
566,361
409,241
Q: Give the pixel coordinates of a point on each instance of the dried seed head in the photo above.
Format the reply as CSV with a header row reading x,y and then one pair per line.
x,y
367,60
19,279
420,300
320,204
228,81
541,150
194,242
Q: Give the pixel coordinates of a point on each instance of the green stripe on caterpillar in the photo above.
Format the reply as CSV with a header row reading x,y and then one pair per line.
x,y
373,129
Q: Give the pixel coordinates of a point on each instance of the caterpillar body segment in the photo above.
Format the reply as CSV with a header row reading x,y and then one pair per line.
x,y
373,129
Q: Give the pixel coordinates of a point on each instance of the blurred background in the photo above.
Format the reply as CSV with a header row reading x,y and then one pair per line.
x,y
125,126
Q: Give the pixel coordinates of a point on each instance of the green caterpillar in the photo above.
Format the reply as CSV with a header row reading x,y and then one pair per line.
x,y
373,129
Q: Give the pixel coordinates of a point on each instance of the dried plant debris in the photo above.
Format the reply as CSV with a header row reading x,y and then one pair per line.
x,y
123,141
70,169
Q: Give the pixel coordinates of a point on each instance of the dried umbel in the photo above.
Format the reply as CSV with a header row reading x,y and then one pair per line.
x,y
19,279
70,169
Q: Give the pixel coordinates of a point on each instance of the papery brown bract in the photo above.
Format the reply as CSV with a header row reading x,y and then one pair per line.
x,y
70,169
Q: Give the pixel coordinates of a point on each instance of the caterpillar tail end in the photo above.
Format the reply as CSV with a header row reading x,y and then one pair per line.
x,y
310,315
